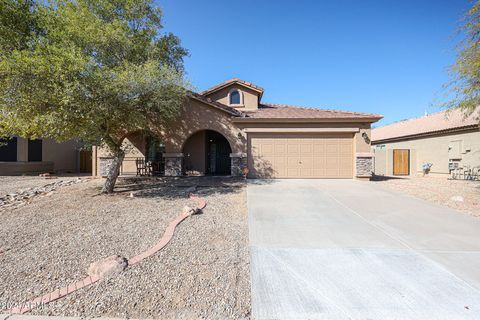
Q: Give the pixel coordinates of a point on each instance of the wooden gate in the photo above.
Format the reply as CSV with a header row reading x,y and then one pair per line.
x,y
401,162
85,161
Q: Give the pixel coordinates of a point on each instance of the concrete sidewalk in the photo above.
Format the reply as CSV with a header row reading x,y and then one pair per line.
x,y
342,249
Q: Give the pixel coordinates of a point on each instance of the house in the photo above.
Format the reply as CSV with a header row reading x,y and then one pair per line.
x,y
447,140
23,156
227,129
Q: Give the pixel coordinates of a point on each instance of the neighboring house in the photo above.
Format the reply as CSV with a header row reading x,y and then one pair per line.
x,y
445,139
23,156
227,129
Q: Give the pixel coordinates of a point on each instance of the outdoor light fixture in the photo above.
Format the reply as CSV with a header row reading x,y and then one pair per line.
x,y
365,137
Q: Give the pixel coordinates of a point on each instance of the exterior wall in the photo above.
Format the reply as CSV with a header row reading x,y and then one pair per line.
x,y
433,149
250,97
380,163
195,117
363,157
56,157
194,153
65,155
134,146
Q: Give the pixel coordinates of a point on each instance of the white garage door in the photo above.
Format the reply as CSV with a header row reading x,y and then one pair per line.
x,y
277,155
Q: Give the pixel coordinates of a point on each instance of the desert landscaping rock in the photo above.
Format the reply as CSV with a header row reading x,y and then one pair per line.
x,y
21,197
201,273
462,195
109,266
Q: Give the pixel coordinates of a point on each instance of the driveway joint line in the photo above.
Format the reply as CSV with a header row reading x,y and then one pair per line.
x,y
403,243
308,284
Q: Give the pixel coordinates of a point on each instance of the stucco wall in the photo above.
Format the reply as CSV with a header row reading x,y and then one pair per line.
x,y
250,97
134,146
197,116
65,155
434,149
194,153
58,157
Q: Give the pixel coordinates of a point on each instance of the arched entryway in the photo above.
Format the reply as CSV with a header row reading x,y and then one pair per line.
x,y
207,152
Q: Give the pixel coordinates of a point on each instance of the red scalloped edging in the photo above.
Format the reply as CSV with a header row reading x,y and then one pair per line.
x,y
62,292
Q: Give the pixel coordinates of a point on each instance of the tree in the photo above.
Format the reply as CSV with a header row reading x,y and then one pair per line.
x,y
92,70
465,84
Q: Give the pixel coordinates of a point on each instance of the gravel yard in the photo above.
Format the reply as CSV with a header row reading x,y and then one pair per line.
x,y
457,194
10,184
202,273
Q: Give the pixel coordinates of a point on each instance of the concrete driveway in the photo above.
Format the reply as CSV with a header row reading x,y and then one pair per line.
x,y
342,249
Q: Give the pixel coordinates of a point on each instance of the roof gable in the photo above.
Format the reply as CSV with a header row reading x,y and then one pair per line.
x,y
215,104
233,81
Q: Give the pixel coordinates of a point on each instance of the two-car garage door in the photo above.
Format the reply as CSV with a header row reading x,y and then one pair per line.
x,y
312,155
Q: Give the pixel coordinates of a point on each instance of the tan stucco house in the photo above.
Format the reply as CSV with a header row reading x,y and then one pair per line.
x,y
227,129
447,140
23,156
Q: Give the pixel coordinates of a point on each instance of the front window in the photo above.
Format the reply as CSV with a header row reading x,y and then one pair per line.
x,y
235,97
155,149
8,149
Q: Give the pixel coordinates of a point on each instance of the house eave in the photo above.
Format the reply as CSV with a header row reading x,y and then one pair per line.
x,y
303,120
464,129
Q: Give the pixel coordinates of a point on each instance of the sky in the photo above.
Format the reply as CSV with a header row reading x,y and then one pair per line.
x,y
386,57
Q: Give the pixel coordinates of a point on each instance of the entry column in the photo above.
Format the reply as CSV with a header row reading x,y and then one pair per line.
x,y
238,163
173,164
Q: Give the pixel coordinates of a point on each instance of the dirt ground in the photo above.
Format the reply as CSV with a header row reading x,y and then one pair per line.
x,y
461,195
202,274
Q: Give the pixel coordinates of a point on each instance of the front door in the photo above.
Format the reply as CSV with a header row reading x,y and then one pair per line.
x,y
218,153
401,162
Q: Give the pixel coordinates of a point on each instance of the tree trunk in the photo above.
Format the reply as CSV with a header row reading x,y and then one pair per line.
x,y
113,171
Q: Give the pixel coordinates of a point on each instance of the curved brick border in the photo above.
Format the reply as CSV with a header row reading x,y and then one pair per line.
x,y
62,292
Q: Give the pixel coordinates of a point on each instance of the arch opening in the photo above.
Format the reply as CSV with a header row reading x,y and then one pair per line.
x,y
207,152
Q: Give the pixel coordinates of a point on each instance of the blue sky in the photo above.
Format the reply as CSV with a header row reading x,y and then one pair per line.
x,y
387,57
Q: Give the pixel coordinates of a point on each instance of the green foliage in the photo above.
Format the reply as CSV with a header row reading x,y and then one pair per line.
x,y
87,69
466,70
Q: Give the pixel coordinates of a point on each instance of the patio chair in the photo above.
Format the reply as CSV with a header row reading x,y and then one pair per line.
x,y
141,166
149,168
475,173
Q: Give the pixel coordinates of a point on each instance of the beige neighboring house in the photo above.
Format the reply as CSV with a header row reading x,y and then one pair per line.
x,y
445,139
22,156
226,129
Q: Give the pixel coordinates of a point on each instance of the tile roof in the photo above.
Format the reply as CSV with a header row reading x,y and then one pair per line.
x,y
279,111
229,82
435,122
216,104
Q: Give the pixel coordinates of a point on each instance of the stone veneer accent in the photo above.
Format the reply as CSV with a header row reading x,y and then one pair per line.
x,y
238,163
105,163
364,164
173,164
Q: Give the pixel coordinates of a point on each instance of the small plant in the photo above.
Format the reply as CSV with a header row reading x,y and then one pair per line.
x,y
426,168
245,172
